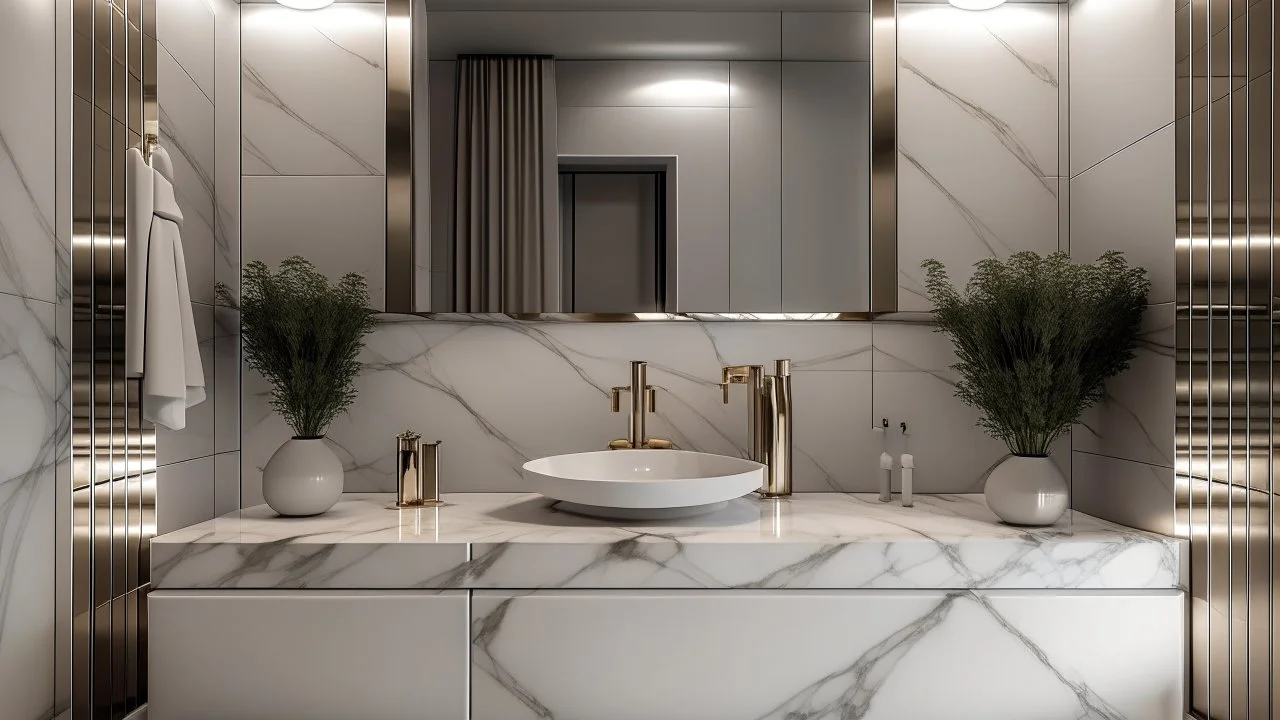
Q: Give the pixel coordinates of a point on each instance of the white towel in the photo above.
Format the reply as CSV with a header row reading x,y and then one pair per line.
x,y
139,178
158,305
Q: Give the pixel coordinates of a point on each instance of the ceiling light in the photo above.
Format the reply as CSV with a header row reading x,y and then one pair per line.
x,y
306,4
975,4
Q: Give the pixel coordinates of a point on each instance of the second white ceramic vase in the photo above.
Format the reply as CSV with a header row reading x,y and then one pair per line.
x,y
302,478
1027,491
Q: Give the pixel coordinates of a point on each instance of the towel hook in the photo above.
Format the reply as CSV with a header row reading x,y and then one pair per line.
x,y
150,139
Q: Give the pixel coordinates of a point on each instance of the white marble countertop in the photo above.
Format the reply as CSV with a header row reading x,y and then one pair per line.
x,y
519,541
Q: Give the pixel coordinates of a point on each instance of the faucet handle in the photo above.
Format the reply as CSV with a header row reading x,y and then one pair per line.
x,y
615,398
737,375
650,398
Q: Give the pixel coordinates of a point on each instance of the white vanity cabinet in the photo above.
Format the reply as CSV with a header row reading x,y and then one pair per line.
x,y
294,655
586,655
824,606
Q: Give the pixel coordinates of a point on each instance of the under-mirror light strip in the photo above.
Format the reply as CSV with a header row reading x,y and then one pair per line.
x,y
306,4
977,4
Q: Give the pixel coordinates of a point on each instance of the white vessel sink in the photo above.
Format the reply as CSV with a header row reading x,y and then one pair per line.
x,y
643,484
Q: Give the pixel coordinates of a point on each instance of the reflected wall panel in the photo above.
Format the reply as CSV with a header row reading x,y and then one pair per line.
x,y
1226,343
113,449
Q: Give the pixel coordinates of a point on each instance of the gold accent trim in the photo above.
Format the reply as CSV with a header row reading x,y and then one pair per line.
x,y
401,270
884,156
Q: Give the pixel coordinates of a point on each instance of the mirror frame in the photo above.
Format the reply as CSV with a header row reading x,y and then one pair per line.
x,y
405,26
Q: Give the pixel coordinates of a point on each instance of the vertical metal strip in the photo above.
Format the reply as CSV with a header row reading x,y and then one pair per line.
x,y
113,50
401,271
884,156
1227,370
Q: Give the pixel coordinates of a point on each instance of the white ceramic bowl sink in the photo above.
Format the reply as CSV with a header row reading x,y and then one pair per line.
x,y
643,484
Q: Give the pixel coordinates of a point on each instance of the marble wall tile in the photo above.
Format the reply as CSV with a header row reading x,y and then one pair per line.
x,y
226,483
1137,418
501,393
1127,203
1123,491
835,448
314,90
908,347
187,133
184,494
1122,75
196,439
225,371
226,161
29,425
1006,655
186,29
336,222
27,246
952,454
985,186
914,383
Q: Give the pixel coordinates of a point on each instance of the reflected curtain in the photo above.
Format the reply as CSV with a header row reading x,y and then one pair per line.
x,y
506,228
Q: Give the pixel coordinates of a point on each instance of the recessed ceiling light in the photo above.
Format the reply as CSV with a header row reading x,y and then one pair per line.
x,y
977,4
310,4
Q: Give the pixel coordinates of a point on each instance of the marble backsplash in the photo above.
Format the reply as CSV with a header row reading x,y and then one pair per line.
x,y
499,393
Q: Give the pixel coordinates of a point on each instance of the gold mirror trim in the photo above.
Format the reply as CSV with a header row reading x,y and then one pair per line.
x,y
400,250
400,262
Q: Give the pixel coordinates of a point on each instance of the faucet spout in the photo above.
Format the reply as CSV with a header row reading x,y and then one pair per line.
x,y
769,408
778,436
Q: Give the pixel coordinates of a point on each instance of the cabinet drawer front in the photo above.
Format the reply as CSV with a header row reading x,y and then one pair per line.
x,y
892,655
307,654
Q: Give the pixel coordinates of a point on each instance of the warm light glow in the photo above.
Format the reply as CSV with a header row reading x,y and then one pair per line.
x,y
306,4
712,91
355,17
977,4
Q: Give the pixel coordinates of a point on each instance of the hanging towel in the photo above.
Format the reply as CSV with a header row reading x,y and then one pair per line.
x,y
159,307
139,178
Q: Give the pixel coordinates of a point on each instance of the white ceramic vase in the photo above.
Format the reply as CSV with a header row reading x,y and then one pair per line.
x,y
302,478
1027,491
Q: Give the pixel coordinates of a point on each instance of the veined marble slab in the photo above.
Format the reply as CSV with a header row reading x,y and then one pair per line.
x,y
827,655
519,541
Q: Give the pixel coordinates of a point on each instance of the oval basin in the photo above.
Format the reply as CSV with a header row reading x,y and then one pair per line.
x,y
643,483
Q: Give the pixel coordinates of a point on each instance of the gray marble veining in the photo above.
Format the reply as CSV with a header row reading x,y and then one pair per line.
x,y
293,125
30,428
455,381
960,654
512,540
979,140
27,246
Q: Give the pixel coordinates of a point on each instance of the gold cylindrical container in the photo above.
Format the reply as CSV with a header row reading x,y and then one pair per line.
x,y
408,470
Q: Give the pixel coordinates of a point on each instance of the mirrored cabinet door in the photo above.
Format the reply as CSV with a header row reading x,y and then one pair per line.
x,y
617,162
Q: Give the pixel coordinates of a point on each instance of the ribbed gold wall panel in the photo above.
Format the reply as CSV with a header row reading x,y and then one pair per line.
x,y
1226,338
113,450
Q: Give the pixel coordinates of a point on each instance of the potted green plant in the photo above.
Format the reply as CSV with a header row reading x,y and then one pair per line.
x,y
1037,337
304,335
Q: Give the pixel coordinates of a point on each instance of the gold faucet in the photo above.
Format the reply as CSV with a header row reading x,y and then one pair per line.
x,y
644,398
769,410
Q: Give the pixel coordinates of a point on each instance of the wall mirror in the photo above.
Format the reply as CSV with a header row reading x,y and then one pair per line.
x,y
726,159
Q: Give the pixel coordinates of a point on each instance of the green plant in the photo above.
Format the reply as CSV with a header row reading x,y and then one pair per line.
x,y
304,335
1037,338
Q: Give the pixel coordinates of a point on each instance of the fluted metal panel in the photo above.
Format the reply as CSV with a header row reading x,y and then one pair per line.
x,y
113,450
1226,337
